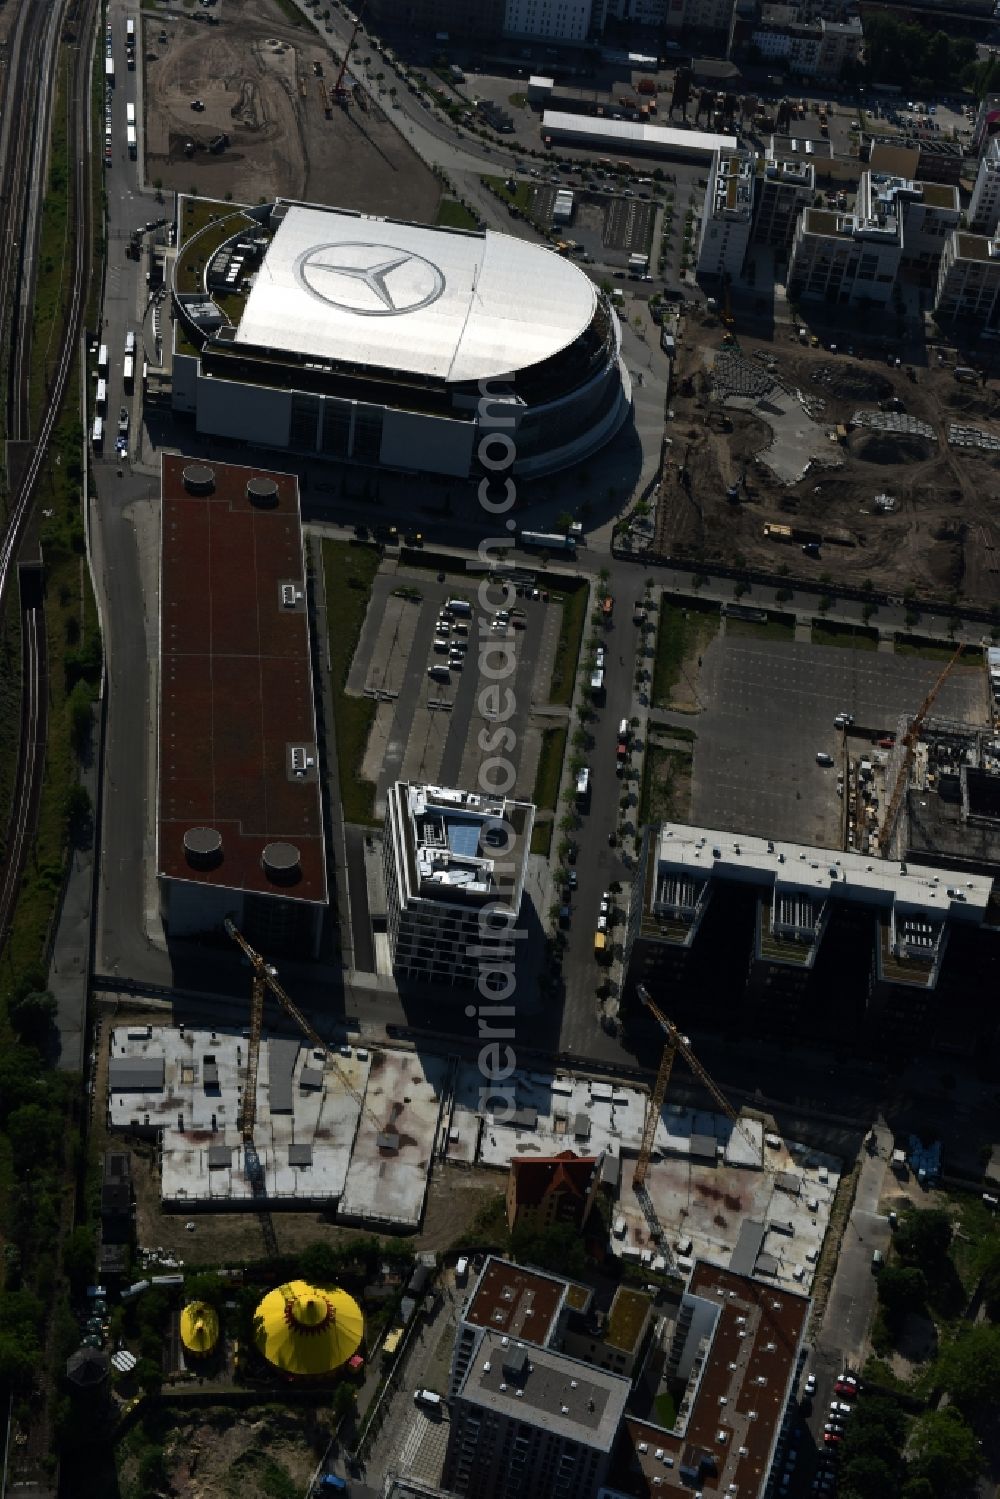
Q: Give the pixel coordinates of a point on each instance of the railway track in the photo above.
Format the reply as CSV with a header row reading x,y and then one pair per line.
x,y
32,66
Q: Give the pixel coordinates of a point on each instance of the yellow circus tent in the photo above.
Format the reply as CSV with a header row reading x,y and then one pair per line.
x,y
199,1328
306,1331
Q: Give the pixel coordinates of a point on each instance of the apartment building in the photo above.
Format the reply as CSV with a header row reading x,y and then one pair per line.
x,y
453,868
812,48
784,187
987,123
458,18
553,20
984,205
931,214
848,258
968,284
728,215
698,15
530,1423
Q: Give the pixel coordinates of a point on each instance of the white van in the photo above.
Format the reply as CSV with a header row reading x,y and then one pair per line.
x,y
461,1271
429,1398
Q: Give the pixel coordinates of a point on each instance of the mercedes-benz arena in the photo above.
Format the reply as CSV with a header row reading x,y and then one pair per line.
x,y
393,344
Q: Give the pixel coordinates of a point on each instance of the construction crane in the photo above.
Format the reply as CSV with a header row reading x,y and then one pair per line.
x,y
342,95
909,743
266,977
677,1043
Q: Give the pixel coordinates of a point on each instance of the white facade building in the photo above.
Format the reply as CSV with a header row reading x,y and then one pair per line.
x,y
814,48
449,858
968,283
849,257
984,206
727,216
551,20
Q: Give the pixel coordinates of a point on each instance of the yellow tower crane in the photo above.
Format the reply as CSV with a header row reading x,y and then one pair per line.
x,y
675,1043
909,743
265,977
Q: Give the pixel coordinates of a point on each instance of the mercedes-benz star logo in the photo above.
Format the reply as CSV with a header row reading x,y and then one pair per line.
x,y
371,280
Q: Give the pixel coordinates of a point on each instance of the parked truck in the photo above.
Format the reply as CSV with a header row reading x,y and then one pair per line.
x,y
547,541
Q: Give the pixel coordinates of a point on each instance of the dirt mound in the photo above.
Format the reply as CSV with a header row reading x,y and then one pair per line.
x,y
946,564
852,382
889,447
963,403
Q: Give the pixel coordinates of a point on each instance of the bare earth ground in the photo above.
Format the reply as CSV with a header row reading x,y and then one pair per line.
x,y
254,74
221,1452
942,534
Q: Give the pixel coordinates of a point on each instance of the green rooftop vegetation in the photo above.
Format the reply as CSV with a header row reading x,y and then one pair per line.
x,y
195,253
627,1320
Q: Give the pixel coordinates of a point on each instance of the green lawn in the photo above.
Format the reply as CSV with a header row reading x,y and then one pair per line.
x,y
666,784
550,764
664,1410
856,637
775,627
522,197
452,215
192,262
349,571
571,628
936,650
683,631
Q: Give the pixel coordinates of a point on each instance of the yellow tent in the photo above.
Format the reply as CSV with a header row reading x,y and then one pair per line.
x,y
199,1327
306,1330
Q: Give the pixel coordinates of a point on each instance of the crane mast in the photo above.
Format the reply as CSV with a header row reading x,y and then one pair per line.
x,y
340,93
909,742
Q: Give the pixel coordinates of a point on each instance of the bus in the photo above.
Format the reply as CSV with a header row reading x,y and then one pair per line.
x,y
131,142
583,789
97,434
597,685
109,72
102,360
102,396
128,371
130,30
130,114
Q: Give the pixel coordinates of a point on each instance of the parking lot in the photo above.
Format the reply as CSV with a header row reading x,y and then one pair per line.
x,y
432,712
768,709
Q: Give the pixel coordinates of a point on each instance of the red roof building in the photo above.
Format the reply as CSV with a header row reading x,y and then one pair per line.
x,y
239,815
542,1190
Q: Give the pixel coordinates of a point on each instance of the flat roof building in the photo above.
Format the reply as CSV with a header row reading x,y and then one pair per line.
x,y
968,283
239,826
670,143
850,257
984,205
727,216
371,340
785,184
901,913
454,868
529,1421
737,1347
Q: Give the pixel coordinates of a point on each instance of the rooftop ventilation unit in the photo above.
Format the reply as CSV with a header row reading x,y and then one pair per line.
x,y
203,848
282,863
198,478
262,492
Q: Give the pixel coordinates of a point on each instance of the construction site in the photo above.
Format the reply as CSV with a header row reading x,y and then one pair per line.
x,y
252,103
885,472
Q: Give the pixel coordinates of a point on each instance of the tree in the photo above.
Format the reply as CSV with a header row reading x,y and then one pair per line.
x,y
556,1248
901,1289
150,1376
32,1015
924,1238
79,1258
563,522
969,1369
990,1284
78,708
319,1263
943,1450
344,1403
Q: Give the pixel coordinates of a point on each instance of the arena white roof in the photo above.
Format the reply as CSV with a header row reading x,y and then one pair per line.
x,y
455,306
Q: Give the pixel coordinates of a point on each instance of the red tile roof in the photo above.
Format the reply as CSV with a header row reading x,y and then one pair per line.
x,y
236,684
539,1177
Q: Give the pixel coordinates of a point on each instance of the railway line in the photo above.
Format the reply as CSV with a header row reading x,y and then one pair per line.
x,y
32,66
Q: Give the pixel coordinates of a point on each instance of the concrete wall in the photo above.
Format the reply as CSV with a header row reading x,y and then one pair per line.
x,y
184,383
430,444
190,909
226,409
